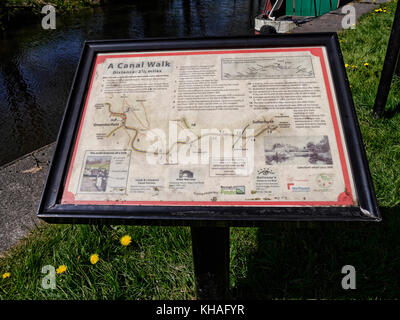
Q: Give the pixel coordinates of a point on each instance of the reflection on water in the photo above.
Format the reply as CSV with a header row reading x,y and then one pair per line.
x,y
37,66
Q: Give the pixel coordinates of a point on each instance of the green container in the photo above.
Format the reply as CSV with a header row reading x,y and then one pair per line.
x,y
312,8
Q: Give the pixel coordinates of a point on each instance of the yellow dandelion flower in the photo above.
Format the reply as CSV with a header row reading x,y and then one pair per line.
x,y
94,258
126,240
346,65
6,275
61,269
366,64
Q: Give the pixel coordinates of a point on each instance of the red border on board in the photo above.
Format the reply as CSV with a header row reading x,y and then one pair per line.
x,y
344,199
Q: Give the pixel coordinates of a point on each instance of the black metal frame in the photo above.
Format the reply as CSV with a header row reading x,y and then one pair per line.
x,y
52,211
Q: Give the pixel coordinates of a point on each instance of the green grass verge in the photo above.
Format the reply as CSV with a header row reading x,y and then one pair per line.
x,y
282,261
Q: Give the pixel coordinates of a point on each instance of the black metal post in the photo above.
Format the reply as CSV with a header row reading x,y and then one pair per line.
x,y
397,72
211,262
392,55
315,8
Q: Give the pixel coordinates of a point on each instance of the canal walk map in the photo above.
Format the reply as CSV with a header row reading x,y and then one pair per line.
x,y
243,127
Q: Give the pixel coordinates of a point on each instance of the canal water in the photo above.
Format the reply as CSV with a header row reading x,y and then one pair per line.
x,y
37,66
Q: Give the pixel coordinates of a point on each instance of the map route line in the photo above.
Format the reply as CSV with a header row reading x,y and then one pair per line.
x,y
112,131
133,139
241,136
147,126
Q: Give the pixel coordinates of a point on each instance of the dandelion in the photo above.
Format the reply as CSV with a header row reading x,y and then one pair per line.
x,y
354,67
94,258
126,240
366,64
346,65
61,269
6,275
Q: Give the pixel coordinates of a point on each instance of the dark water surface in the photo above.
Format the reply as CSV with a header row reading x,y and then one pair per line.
x,y
37,66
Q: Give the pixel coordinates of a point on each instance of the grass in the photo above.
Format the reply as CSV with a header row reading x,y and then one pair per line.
x,y
281,261
156,265
367,44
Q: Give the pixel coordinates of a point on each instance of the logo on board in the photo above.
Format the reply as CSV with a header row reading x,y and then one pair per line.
x,y
233,189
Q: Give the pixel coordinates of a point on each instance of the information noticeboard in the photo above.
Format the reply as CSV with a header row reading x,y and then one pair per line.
x,y
229,130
